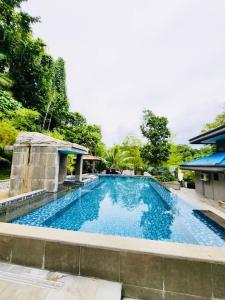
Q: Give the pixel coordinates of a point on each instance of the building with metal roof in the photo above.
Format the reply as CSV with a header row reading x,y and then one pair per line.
x,y
40,162
210,170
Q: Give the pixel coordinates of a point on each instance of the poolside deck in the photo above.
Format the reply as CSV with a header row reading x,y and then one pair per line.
x,y
199,202
17,282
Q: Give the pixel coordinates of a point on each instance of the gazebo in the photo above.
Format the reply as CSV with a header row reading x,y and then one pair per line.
x,y
40,162
92,159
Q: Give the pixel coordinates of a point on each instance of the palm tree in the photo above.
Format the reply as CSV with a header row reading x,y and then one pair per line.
x,y
117,159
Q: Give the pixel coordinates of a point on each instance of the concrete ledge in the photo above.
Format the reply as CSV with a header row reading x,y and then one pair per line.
x,y
172,185
147,269
222,204
117,243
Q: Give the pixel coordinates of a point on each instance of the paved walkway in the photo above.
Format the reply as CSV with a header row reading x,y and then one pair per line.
x,y
17,282
200,202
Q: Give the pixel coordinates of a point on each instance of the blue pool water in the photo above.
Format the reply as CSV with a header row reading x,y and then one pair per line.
x,y
127,206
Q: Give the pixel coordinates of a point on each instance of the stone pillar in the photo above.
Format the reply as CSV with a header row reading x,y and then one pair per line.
x,y
33,168
20,171
62,167
44,169
79,167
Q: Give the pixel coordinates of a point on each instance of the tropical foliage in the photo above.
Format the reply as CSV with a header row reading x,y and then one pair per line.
x,y
181,153
33,94
132,145
219,121
118,159
8,133
155,130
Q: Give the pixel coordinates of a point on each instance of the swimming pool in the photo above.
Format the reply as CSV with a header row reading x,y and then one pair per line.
x,y
127,206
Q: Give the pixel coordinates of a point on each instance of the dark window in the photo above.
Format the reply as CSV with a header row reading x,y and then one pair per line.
x,y
216,176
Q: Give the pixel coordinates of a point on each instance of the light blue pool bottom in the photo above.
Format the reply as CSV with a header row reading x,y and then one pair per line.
x,y
127,206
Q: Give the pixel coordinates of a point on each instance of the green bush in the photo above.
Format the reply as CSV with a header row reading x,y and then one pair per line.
x,y
26,120
8,133
7,103
163,174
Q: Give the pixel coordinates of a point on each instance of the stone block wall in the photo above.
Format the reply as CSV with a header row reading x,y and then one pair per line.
x,y
144,276
34,168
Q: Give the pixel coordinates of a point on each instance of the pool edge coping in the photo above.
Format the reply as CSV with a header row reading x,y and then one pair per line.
x,y
116,243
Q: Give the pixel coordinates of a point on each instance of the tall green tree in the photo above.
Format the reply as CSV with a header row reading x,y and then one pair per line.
x,y
155,130
58,105
219,121
182,153
77,130
29,67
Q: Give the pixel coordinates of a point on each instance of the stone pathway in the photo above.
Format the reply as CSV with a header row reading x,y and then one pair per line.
x,y
17,282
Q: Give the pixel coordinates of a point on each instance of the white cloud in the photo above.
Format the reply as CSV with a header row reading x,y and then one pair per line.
x,y
125,55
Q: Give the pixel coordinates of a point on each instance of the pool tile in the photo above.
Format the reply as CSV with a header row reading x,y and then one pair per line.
x,y
141,293
188,277
99,263
62,257
124,206
28,252
142,270
218,273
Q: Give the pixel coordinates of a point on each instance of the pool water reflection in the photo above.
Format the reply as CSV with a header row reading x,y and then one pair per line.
x,y
127,206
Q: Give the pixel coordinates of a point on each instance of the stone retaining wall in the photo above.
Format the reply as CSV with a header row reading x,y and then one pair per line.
x,y
143,275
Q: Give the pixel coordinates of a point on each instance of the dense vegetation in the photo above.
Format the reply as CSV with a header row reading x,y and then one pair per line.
x,y
155,130
33,97
33,93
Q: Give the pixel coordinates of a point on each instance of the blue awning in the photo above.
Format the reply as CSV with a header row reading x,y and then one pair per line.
x,y
214,160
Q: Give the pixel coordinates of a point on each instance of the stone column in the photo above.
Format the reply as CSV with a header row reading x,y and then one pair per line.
x,y
19,181
62,167
79,167
34,168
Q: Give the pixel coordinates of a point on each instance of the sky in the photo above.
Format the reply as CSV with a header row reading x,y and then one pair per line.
x,y
126,55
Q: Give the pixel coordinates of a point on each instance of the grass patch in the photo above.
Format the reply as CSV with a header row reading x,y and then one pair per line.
x,y
5,173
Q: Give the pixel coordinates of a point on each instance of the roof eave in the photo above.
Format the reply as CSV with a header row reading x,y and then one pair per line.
x,y
202,138
203,168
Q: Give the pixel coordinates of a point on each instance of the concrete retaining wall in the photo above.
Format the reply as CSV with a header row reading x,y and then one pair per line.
x,y
147,269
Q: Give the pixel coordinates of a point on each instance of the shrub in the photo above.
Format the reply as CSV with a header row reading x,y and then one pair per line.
x,y
26,120
7,103
8,133
163,174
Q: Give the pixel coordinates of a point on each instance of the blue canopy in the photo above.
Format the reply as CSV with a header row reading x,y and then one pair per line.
x,y
214,160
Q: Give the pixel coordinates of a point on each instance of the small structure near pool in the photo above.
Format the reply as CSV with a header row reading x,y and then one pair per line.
x,y
210,170
40,161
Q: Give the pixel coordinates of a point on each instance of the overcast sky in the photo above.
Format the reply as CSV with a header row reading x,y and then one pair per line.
x,y
126,55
